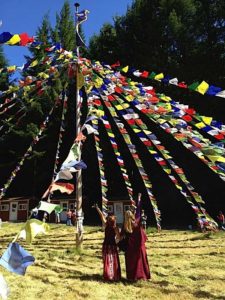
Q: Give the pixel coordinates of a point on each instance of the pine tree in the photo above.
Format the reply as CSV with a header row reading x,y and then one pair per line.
x,y
4,75
103,46
64,31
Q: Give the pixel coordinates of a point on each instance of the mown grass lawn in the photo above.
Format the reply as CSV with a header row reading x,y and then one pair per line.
x,y
184,265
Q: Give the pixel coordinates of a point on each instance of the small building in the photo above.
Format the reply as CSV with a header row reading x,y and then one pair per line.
x,y
14,209
118,208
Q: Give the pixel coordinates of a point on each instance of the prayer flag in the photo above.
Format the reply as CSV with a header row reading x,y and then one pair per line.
x,y
4,37
32,228
207,120
221,94
62,187
48,207
15,39
213,90
125,69
16,259
202,88
4,289
159,76
82,16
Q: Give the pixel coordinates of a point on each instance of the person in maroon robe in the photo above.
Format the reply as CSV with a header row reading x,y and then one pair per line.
x,y
135,255
111,263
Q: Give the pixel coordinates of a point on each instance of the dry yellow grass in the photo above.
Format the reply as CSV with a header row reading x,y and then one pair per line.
x,y
184,265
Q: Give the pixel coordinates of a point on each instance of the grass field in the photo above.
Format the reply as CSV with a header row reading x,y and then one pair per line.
x,y
184,265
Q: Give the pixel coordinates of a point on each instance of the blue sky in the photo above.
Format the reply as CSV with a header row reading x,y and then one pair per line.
x,y
26,15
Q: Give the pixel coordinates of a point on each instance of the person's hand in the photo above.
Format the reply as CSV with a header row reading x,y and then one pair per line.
x,y
95,205
139,196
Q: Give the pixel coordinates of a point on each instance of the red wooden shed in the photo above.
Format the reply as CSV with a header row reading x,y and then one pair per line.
x,y
14,209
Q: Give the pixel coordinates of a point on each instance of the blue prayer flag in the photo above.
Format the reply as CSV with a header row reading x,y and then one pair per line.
x,y
16,259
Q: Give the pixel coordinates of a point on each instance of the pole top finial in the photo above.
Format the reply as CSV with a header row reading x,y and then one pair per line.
x,y
76,4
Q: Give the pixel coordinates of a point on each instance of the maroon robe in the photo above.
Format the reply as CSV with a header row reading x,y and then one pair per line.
x,y
135,256
111,263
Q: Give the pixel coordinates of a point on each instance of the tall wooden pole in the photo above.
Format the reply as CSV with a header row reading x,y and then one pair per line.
x,y
79,211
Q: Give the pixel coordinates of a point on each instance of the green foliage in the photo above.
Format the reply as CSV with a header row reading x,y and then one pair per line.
x,y
182,37
65,28
104,46
3,76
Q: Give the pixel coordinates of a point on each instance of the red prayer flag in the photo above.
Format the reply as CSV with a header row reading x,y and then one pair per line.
x,y
182,85
187,118
144,74
25,39
219,136
116,64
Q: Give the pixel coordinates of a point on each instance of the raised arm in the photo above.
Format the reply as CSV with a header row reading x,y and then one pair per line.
x,y
138,210
102,217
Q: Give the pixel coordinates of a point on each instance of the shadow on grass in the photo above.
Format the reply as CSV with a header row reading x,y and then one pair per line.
x,y
207,295
99,278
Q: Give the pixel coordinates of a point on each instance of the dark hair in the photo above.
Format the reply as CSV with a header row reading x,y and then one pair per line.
x,y
111,220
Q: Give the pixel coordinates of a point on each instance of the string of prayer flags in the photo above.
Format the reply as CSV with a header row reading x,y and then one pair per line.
x,y
157,118
16,259
207,124
146,135
15,39
140,167
103,180
61,131
26,155
202,88
119,160
121,108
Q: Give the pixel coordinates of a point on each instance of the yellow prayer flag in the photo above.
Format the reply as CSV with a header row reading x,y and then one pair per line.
x,y
129,98
200,125
98,82
168,106
213,158
207,120
147,132
159,76
148,185
178,186
15,39
34,63
152,151
111,134
60,57
167,156
119,107
221,159
100,113
80,80
136,130
168,171
11,68
125,105
32,228
127,139
202,88
165,98
125,69
43,75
